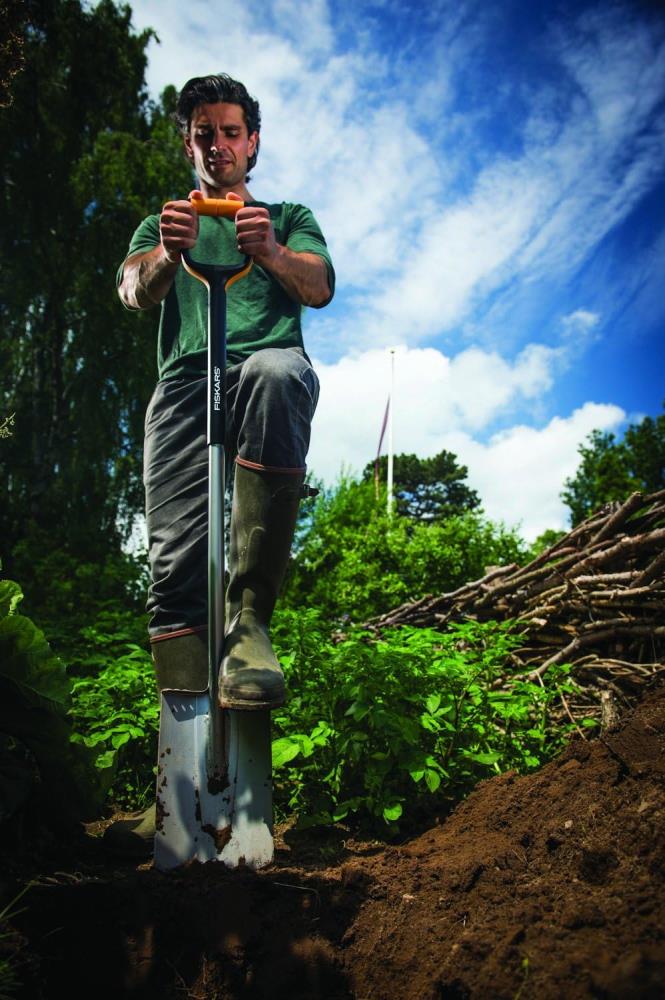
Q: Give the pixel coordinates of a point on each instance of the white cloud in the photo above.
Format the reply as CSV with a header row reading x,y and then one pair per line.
x,y
539,214
205,36
579,329
580,321
306,22
443,403
520,472
434,395
459,251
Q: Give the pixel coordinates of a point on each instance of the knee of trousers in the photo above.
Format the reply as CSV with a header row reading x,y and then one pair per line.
x,y
276,401
279,373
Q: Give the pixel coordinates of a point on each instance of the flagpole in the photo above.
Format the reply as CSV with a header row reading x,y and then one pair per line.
x,y
390,432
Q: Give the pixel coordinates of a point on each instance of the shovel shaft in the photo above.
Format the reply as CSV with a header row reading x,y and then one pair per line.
x,y
217,363
216,600
217,278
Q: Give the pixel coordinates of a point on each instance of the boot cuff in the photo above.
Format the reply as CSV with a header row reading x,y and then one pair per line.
x,y
257,467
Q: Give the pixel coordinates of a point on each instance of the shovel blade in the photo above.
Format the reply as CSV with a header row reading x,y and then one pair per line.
x,y
212,806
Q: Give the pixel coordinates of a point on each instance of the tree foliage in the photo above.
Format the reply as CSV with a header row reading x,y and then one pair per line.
x,y
84,156
426,489
12,14
356,561
611,470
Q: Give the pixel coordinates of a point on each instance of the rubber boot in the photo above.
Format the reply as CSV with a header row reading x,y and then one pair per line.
x,y
263,519
181,663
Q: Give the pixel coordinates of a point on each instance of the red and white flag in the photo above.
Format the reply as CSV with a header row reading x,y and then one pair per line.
x,y
378,450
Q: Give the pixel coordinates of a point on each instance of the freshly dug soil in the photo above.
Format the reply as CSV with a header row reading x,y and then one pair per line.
x,y
545,886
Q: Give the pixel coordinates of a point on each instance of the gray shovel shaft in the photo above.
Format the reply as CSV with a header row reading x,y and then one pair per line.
x,y
216,597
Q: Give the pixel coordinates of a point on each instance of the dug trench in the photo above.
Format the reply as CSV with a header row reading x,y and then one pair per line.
x,y
543,886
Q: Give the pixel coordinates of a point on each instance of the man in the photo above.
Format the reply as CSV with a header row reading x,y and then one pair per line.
x,y
272,393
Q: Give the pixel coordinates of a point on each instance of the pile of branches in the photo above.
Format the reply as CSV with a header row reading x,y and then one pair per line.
x,y
595,599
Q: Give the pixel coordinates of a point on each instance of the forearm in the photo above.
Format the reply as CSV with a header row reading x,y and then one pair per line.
x,y
304,276
147,279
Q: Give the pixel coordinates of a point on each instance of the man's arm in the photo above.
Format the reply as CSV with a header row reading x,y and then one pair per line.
x,y
304,276
147,277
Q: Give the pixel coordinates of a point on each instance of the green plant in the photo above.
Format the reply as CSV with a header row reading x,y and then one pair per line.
x,y
375,727
426,489
66,594
73,463
115,711
40,765
524,966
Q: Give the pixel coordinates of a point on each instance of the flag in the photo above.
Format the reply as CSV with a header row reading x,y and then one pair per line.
x,y
378,451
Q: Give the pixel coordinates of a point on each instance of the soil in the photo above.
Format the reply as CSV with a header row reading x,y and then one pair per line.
x,y
544,886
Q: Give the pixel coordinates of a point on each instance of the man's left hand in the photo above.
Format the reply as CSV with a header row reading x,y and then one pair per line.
x,y
304,276
256,236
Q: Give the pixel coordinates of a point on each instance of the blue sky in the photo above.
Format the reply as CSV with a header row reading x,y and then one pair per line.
x,y
490,177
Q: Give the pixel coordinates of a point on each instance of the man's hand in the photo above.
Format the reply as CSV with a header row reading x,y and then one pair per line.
x,y
178,227
255,233
147,277
304,276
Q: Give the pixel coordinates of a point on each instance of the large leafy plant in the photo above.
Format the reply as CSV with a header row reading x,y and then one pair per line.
x,y
115,708
374,728
40,765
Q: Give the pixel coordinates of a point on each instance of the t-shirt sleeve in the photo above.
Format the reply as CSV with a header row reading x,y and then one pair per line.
x,y
305,236
145,239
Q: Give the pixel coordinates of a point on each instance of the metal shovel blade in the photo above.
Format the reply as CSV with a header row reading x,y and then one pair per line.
x,y
212,806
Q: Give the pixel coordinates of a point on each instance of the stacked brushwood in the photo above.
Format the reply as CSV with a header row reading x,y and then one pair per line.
x,y
595,599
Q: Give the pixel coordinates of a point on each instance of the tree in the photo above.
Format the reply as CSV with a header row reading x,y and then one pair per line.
x,y
355,562
84,156
645,447
427,489
12,13
611,470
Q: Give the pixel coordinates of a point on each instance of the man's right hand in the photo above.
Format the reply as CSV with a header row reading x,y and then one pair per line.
x,y
147,277
178,228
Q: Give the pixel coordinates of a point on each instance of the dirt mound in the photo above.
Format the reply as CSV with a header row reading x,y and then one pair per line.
x,y
544,886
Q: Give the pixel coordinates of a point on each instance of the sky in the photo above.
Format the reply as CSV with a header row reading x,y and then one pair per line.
x,y
490,179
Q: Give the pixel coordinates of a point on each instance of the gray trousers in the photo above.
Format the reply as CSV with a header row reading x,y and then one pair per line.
x,y
270,401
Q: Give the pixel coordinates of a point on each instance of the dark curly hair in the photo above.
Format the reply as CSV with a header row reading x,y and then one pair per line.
x,y
211,90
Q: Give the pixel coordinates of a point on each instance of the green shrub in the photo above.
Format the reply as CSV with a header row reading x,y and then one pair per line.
x,y
115,711
354,561
375,728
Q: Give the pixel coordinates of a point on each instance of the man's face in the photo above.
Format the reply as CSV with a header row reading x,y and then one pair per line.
x,y
219,146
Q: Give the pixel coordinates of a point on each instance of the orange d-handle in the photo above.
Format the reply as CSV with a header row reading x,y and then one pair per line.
x,y
224,207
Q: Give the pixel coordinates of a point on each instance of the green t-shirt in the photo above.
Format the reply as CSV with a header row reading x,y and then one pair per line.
x,y
259,312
